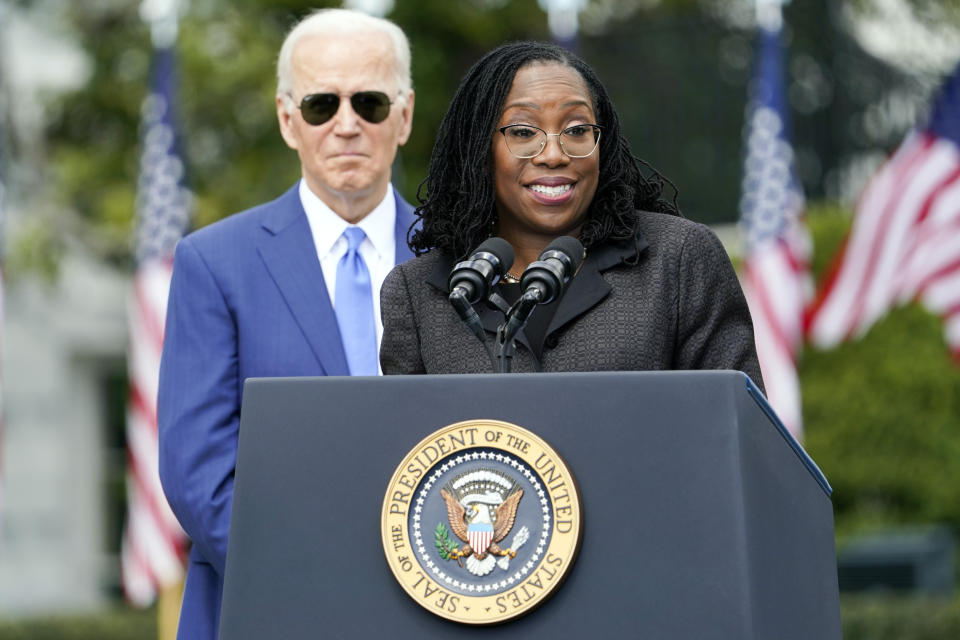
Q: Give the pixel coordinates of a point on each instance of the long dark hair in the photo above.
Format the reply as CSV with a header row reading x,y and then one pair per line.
x,y
458,213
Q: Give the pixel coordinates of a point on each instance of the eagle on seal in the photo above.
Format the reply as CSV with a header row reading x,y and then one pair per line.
x,y
476,529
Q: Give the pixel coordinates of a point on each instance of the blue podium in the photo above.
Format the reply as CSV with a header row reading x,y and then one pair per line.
x,y
702,517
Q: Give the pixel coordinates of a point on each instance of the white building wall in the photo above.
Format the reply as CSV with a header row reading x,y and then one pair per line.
x,y
60,339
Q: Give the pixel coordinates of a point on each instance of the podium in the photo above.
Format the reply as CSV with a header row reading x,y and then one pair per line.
x,y
702,517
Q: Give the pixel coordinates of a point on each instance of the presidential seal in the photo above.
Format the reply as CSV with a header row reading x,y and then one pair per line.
x,y
481,522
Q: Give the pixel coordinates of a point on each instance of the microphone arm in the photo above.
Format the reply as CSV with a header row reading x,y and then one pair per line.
x,y
517,318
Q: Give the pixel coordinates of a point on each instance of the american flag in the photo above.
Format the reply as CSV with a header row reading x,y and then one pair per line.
x,y
153,542
904,243
776,277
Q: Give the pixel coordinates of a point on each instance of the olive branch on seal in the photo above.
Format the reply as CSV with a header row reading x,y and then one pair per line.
x,y
441,538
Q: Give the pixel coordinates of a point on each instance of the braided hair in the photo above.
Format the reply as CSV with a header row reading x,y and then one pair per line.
x,y
458,210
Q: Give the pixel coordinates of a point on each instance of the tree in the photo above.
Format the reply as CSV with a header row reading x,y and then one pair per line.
x,y
677,70
227,51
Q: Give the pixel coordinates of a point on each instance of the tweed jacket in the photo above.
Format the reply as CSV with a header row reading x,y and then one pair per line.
x,y
677,306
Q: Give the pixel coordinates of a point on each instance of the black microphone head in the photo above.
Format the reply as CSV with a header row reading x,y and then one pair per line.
x,y
557,265
499,248
486,265
569,246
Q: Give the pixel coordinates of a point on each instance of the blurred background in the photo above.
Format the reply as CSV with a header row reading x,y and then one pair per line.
x,y
879,407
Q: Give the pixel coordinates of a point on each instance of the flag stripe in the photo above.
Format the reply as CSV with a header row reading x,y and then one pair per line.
x,y
881,243
941,294
149,538
936,192
766,310
150,289
153,503
934,242
139,585
949,269
904,243
827,324
882,295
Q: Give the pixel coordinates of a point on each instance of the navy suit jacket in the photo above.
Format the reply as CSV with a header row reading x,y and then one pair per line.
x,y
247,299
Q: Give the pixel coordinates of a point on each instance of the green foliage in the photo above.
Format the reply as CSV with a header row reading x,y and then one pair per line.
x,y
873,617
865,617
37,251
828,224
678,76
93,133
119,624
880,413
227,52
931,13
441,539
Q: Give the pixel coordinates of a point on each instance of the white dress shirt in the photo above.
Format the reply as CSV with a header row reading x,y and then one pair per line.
x,y
378,249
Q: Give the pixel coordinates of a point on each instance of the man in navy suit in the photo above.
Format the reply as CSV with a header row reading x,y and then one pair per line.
x,y
288,288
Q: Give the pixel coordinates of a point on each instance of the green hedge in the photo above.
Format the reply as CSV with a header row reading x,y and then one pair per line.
x,y
873,617
123,623
865,617
882,413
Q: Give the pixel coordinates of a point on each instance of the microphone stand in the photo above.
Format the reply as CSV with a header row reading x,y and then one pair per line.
x,y
516,319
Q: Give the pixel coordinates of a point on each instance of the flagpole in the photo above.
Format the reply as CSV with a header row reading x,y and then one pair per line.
x,y
163,18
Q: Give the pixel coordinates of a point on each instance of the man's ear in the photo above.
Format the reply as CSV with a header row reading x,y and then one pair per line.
x,y
407,124
286,121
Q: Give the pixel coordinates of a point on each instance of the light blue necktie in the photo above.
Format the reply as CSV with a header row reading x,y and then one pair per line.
x,y
354,307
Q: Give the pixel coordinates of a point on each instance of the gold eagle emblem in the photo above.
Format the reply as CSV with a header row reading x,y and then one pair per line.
x,y
471,527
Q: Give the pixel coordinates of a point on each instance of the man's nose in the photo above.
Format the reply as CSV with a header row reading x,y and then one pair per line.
x,y
345,120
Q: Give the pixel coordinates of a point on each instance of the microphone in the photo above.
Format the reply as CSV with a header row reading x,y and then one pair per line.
x,y
546,278
472,278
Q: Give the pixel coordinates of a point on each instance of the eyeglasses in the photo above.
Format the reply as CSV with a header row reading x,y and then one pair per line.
x,y
528,141
372,106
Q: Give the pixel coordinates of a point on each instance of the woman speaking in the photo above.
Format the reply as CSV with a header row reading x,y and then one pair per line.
x,y
529,150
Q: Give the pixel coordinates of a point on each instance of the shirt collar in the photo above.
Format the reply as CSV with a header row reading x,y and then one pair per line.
x,y
327,226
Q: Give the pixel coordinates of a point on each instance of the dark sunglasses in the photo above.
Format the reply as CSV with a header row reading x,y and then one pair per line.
x,y
372,106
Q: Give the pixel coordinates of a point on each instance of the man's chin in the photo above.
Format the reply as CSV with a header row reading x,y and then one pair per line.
x,y
349,184
352,186
347,179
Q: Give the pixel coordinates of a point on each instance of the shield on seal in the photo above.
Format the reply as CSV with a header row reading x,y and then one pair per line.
x,y
479,535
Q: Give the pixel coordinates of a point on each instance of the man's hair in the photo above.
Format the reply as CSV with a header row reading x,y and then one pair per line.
x,y
340,22
458,210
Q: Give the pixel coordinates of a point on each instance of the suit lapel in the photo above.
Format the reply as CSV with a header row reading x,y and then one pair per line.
x,y
585,291
290,256
588,288
405,219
